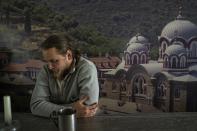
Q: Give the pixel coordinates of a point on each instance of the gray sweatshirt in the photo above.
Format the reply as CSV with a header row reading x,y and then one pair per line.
x,y
51,95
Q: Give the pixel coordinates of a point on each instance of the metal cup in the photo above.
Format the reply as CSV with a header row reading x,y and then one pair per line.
x,y
66,120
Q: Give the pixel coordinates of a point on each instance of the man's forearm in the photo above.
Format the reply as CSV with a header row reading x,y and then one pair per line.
x,y
45,108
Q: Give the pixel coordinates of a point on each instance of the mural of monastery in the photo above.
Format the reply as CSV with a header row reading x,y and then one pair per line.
x,y
134,83
168,84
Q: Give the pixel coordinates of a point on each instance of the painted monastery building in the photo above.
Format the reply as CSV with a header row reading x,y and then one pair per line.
x,y
169,84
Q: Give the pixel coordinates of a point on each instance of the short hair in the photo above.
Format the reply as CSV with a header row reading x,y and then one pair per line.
x,y
62,43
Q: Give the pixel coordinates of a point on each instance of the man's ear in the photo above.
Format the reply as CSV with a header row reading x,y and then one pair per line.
x,y
69,54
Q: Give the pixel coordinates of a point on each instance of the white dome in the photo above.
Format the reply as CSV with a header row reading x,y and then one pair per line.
x,y
182,27
175,49
137,47
138,39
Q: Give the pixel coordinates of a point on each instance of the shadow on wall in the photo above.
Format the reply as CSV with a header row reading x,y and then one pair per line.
x,y
18,103
20,96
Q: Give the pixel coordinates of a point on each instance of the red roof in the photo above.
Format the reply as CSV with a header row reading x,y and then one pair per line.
x,y
13,67
32,63
105,62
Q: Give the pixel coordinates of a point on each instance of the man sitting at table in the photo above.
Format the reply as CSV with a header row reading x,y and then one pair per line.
x,y
67,80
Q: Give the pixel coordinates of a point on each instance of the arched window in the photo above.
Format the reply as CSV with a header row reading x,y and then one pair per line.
x,y
161,90
128,59
193,49
174,62
183,62
143,58
135,59
136,86
164,46
158,91
177,92
139,85
166,62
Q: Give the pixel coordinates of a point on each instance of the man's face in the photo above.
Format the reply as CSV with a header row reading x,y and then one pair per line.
x,y
57,62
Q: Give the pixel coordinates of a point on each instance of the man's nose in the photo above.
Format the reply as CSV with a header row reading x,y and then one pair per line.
x,y
50,66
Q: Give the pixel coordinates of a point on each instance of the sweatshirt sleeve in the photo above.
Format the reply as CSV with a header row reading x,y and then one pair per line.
x,y
40,104
88,83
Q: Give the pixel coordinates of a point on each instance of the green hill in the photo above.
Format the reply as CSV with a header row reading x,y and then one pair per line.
x,y
124,18
102,26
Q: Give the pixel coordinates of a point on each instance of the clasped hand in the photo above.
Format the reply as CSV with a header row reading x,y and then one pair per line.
x,y
83,110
